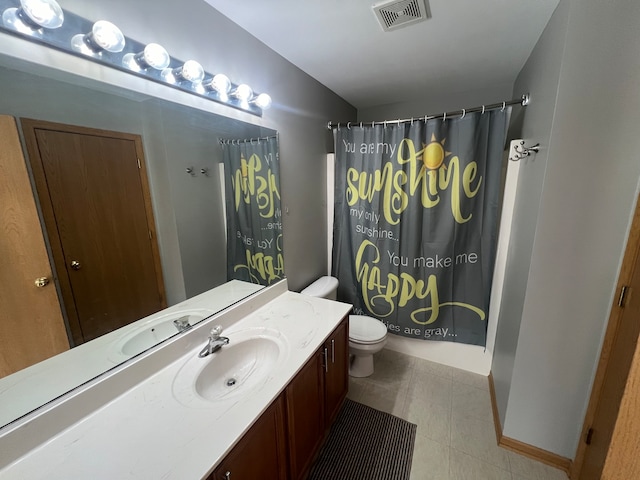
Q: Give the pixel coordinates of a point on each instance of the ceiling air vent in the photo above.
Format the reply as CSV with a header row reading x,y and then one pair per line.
x,y
396,14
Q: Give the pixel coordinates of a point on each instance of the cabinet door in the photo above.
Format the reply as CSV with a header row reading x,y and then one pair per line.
x,y
337,373
305,416
261,453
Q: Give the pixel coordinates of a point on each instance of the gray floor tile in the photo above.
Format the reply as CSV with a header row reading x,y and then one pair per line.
x,y
390,400
531,470
356,388
430,460
392,369
469,378
456,438
425,366
431,388
433,420
466,467
469,401
477,438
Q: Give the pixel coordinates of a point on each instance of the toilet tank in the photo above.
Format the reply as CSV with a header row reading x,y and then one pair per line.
x,y
324,287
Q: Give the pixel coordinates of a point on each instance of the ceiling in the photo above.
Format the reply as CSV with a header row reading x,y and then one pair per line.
x,y
466,45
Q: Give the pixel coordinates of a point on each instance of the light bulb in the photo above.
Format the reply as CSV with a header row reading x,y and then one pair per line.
x,y
153,55
32,15
103,36
46,13
107,36
262,101
220,84
242,92
190,71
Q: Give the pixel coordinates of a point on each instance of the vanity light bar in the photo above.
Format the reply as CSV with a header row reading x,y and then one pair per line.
x,y
44,22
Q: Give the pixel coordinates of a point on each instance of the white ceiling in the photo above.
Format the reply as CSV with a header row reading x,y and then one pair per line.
x,y
467,45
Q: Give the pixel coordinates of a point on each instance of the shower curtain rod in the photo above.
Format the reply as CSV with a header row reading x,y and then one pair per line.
x,y
524,101
222,141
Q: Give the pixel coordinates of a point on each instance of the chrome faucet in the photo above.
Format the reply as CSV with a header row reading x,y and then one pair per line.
x,y
215,343
182,323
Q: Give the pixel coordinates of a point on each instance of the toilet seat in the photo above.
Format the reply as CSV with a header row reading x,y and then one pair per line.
x,y
366,330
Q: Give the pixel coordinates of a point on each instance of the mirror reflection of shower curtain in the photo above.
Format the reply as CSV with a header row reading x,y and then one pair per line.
x,y
254,215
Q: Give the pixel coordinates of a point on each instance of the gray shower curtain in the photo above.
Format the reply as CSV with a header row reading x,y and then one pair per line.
x,y
416,223
254,215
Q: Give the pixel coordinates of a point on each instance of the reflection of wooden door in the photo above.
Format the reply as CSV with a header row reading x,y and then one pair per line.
x,y
95,200
31,324
615,362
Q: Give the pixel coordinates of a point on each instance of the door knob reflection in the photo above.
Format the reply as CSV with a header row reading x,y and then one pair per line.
x,y
42,282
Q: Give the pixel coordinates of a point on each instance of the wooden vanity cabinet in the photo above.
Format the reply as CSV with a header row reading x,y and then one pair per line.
x,y
313,399
337,371
305,416
285,440
261,452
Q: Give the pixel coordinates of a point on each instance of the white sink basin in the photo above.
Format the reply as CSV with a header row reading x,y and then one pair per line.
x,y
151,331
237,369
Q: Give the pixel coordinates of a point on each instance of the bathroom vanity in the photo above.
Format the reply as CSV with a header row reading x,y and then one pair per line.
x,y
259,407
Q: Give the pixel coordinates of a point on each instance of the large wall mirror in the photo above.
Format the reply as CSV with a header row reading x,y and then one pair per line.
x,y
183,168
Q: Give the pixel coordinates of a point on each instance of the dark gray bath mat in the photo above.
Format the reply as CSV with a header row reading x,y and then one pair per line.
x,y
366,444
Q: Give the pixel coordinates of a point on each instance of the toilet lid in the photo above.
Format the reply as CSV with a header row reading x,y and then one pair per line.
x,y
366,329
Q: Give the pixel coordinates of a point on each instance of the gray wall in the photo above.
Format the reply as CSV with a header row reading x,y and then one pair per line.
x,y
565,286
302,107
540,78
434,102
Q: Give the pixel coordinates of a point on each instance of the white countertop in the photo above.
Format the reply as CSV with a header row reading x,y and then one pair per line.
x,y
31,387
158,429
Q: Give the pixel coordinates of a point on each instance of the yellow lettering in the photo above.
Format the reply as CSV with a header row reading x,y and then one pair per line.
x,y
248,183
468,177
261,267
397,185
381,294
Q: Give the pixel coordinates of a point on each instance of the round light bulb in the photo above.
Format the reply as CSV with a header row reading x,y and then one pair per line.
x,y
243,92
221,83
11,19
107,36
192,71
45,13
156,56
263,101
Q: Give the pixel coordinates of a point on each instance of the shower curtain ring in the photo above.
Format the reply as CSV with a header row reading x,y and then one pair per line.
x,y
360,124
444,117
464,112
349,125
503,105
482,109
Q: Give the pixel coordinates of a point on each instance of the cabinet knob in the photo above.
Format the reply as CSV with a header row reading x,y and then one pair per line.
x,y
227,475
42,282
75,265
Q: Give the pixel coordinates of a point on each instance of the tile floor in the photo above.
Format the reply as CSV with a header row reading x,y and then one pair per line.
x,y
456,437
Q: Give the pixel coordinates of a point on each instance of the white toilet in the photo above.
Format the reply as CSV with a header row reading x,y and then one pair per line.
x,y
367,335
